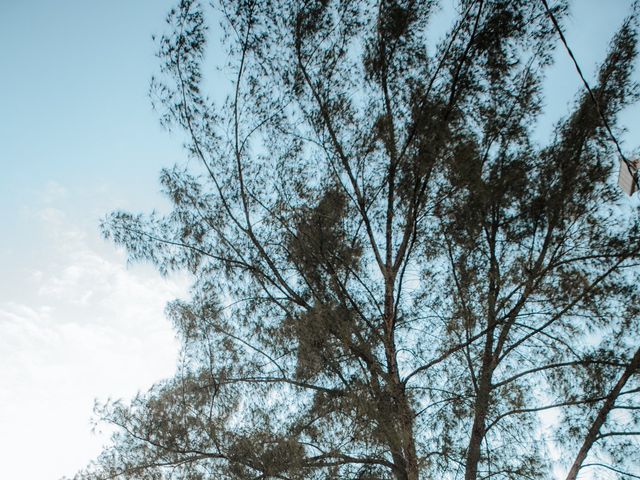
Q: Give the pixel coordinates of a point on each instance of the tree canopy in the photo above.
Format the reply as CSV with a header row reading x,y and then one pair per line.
x,y
391,277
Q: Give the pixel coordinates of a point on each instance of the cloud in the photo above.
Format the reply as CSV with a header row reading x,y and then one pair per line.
x,y
86,327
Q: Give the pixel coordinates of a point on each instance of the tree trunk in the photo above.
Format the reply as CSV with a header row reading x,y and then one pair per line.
x,y
403,413
408,440
597,424
480,413
478,429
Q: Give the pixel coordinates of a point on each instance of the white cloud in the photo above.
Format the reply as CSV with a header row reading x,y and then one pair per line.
x,y
88,327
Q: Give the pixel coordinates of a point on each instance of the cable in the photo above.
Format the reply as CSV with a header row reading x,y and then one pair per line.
x,y
593,97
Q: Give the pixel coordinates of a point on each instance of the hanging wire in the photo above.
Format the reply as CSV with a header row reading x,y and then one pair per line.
x,y
593,97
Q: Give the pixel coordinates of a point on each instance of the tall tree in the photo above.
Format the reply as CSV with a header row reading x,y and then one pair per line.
x,y
392,279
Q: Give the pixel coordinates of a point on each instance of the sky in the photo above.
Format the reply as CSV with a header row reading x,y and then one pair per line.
x,y
78,139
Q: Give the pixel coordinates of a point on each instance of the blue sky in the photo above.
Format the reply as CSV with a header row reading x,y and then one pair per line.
x,y
78,138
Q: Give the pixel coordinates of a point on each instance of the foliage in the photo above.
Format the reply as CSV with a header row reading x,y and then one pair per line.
x,y
392,279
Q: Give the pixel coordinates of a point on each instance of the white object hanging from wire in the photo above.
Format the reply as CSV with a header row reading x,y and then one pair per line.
x,y
628,176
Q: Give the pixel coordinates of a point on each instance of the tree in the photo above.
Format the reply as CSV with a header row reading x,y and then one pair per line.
x,y
391,278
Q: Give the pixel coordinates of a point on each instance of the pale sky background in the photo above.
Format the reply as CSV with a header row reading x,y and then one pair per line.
x,y
78,138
